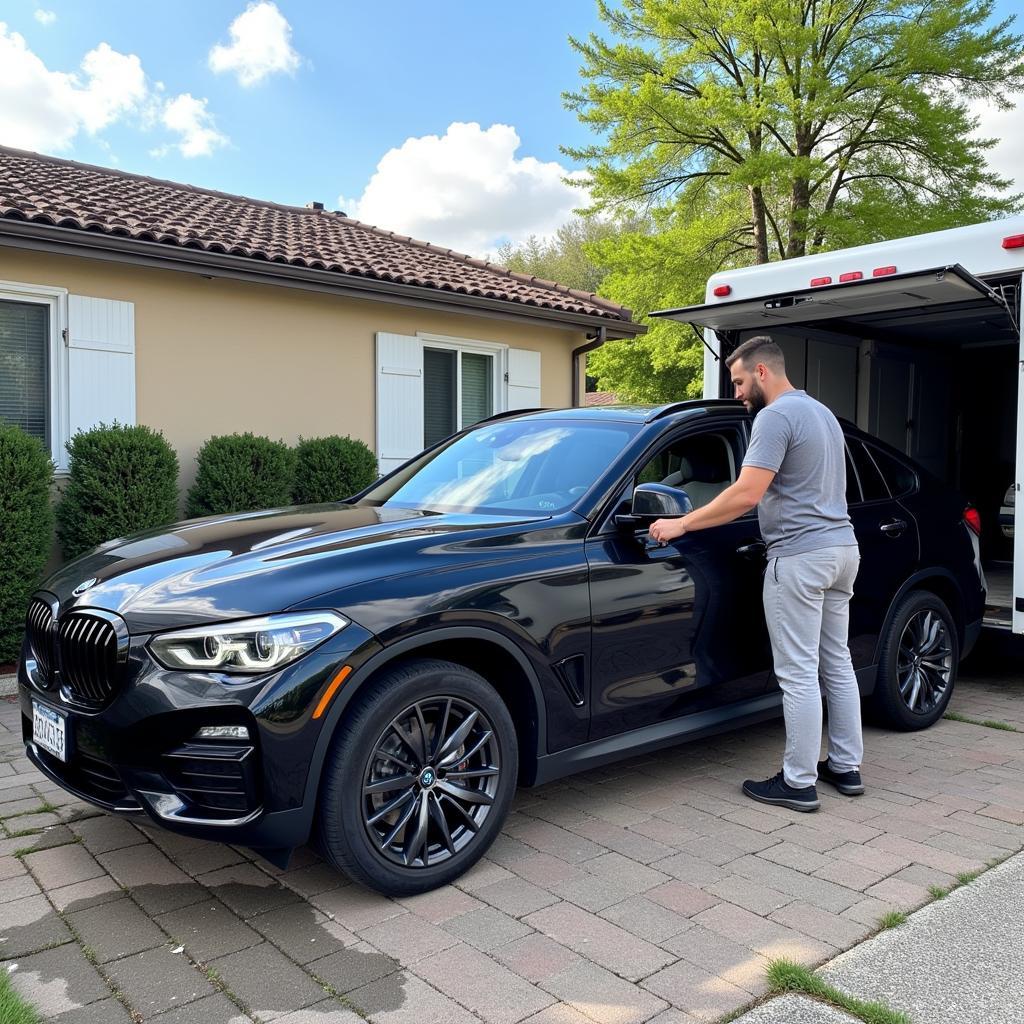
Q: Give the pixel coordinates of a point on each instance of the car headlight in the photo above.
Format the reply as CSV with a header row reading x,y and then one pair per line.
x,y
247,646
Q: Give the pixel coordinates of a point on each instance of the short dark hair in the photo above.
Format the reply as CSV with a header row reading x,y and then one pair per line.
x,y
759,350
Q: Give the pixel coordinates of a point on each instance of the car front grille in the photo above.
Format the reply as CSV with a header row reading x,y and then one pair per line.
x,y
39,629
89,665
92,777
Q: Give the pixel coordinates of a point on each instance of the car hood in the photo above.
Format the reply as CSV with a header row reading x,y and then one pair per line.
x,y
226,567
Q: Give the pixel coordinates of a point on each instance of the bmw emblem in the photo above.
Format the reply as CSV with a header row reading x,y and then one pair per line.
x,y
427,778
83,587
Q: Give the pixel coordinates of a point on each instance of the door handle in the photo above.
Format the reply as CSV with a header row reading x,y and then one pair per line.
x,y
754,550
893,527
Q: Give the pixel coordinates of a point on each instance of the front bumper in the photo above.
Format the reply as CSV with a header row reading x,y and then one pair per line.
x,y
140,755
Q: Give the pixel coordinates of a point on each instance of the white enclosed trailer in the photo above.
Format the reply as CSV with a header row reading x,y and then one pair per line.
x,y
915,340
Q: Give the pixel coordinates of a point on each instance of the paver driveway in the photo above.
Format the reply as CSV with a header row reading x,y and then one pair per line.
x,y
650,890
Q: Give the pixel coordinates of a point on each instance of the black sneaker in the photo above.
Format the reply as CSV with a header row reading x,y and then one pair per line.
x,y
776,791
846,782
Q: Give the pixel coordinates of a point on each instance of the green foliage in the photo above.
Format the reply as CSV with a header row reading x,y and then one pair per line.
x,y
786,976
121,480
26,529
331,469
13,1008
566,257
241,473
755,130
834,123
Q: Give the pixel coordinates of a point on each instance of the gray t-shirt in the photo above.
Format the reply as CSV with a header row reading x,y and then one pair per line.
x,y
804,508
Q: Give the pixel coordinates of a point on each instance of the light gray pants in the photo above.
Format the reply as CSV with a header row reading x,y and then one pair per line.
x,y
807,609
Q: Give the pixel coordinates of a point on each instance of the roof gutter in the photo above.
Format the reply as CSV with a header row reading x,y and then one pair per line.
x,y
96,245
601,338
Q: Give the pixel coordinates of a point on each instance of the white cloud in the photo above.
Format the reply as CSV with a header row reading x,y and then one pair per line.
x,y
260,45
1007,156
44,110
466,190
193,123
45,17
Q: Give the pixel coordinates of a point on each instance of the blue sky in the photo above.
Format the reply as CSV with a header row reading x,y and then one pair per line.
x,y
442,119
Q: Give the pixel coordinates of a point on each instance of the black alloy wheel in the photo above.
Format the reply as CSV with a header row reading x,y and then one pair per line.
x,y
419,778
924,661
430,781
918,661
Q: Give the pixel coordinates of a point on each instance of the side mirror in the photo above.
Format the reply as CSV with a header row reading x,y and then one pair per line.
x,y
655,501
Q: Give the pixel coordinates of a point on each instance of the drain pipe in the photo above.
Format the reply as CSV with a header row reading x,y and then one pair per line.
x,y
601,338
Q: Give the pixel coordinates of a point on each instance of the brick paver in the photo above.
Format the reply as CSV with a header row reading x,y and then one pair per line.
x,y
648,892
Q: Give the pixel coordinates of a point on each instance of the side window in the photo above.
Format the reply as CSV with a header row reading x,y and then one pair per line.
x,y
871,483
852,483
703,465
899,476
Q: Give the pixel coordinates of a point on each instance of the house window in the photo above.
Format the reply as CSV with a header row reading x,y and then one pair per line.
x,y
458,391
24,367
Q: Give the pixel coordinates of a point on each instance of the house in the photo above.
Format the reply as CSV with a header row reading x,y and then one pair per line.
x,y
199,313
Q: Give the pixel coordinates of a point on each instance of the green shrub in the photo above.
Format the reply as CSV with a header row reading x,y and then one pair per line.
x,y
241,473
331,468
26,529
121,480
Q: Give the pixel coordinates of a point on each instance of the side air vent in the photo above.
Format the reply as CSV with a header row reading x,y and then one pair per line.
x,y
572,674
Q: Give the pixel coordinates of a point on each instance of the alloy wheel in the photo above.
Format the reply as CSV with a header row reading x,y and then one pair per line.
x,y
430,781
924,663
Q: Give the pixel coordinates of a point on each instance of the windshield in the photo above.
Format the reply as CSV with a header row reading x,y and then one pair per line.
x,y
522,467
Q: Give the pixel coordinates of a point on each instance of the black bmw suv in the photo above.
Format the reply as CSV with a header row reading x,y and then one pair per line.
x,y
379,674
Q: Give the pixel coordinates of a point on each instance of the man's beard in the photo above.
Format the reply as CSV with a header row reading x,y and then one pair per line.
x,y
756,398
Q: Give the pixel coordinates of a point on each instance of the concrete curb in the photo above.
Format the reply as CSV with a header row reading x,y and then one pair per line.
x,y
8,686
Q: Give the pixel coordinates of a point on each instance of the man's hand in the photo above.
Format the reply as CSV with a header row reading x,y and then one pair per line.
x,y
664,530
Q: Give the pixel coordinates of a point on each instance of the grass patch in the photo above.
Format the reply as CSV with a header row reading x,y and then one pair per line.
x,y
785,976
893,919
14,1009
988,723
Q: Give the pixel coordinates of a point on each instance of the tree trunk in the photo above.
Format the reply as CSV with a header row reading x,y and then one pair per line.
x,y
800,204
760,222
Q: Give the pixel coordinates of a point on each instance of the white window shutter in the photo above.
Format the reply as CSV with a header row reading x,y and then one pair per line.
x,y
399,399
101,362
523,379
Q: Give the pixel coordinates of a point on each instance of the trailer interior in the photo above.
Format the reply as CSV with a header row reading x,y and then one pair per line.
x,y
926,361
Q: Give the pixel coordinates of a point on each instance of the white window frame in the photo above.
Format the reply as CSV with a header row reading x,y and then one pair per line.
x,y
56,299
499,367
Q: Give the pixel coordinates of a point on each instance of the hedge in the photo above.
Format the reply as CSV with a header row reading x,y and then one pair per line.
x,y
331,468
121,480
241,473
26,529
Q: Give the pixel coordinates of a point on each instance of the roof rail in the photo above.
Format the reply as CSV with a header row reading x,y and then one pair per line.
x,y
506,414
707,404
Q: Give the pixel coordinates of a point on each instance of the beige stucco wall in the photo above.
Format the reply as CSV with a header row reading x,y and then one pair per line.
x,y
214,356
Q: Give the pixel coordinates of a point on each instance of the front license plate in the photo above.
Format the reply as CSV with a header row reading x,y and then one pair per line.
x,y
49,730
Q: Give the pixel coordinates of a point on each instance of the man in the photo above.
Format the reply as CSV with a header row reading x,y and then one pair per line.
x,y
795,473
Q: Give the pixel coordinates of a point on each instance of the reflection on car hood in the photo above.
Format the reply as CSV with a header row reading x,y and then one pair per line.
x,y
252,563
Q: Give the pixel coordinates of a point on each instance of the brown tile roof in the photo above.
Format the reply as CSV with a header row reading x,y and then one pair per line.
x,y
65,194
600,398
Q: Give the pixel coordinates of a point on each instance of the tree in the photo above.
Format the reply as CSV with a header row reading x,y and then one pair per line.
x,y
836,122
565,258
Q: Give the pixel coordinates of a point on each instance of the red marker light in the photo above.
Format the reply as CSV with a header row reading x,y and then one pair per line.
x,y
854,275
883,271
817,282
972,517
1013,242
721,290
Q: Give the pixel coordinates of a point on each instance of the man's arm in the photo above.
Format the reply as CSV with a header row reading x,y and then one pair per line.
x,y
736,500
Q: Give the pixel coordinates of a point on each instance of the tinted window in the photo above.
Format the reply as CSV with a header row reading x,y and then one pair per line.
x,y
899,476
524,467
703,465
871,482
852,486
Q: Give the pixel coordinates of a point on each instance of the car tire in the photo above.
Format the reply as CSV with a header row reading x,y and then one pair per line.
x,y
401,747
917,667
